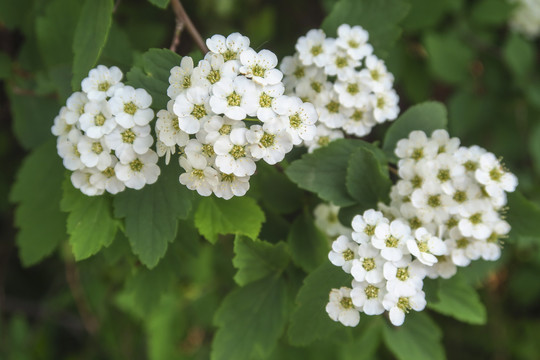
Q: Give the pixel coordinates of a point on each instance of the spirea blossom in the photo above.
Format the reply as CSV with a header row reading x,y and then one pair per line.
x,y
104,135
444,212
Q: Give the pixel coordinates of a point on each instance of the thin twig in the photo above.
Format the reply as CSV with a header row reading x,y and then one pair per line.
x,y
116,4
182,17
393,170
176,38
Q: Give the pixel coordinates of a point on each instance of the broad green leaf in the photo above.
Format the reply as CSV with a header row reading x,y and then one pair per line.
x,y
239,215
256,259
160,3
523,215
419,338
251,319
448,57
469,113
164,328
491,12
5,66
425,14
13,13
427,116
90,223
37,191
309,321
379,17
519,55
534,147
33,117
118,50
154,74
276,191
324,171
309,247
367,190
151,215
460,300
90,37
365,347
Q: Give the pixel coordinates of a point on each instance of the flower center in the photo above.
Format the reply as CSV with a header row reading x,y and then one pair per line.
x,y
213,76
228,177
104,86
441,149
323,141
470,165
372,292
229,55
391,242
97,148
99,119
128,136
234,99
333,107
346,303
198,112
493,238
368,264
76,151
197,173
237,152
348,255
136,165
295,121
452,222
434,201
268,140
258,70
402,273
403,304
495,174
460,196
316,50
108,172
417,153
423,246
380,102
175,123
353,89
353,44
299,72
316,86
225,129
186,83
265,100
415,223
208,150
375,75
462,243
443,175
476,218
417,182
130,108
369,230
341,62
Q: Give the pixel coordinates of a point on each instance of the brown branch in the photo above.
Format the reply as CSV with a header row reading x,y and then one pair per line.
x,y
183,18
393,170
176,38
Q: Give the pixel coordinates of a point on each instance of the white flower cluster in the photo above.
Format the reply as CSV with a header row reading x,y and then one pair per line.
x,y
350,87
227,113
104,135
525,18
444,212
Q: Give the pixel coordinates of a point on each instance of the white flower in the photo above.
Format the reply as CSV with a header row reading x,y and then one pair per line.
x,y
431,203
293,69
192,109
416,147
230,48
490,250
477,218
369,265
354,41
462,249
180,79
323,137
313,84
299,118
131,107
269,143
232,157
94,153
265,96
376,76
138,170
385,105
359,120
340,63
208,72
341,308
230,185
343,253
218,126
198,176
61,128
331,111
446,144
398,306
312,48
391,239
425,247
97,119
164,150
236,99
326,219
167,127
525,18
368,297
75,107
67,149
260,67
491,174
81,180
124,141
364,225
353,92
198,150
404,276
102,82
444,268
107,179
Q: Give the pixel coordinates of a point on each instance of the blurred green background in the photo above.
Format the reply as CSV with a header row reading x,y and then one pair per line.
x,y
459,52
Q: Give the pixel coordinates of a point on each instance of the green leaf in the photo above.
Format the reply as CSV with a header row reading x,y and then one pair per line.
x,y
251,319
367,190
309,247
239,215
427,116
460,300
523,215
419,338
277,192
33,117
365,347
5,66
491,12
324,171
449,58
519,55
151,215
38,190
90,37
256,259
160,3
379,17
309,321
426,14
90,223
154,74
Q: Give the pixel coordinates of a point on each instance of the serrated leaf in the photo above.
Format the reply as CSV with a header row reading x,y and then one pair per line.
x,y
379,17
151,215
367,190
37,191
256,259
419,338
523,215
519,55
251,319
309,247
365,347
324,171
239,215
284,197
90,37
90,223
160,3
309,321
460,300
427,116
154,74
